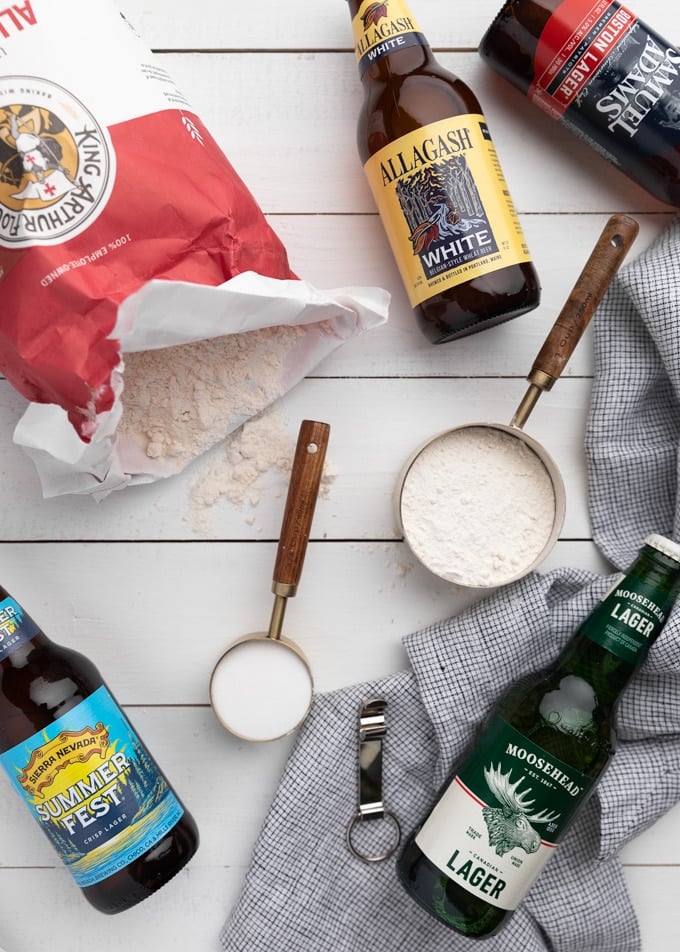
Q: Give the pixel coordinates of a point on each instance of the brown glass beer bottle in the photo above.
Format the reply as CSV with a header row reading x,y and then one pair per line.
x,y
596,68
77,763
437,181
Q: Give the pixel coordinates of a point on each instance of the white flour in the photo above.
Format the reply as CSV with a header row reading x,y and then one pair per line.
x,y
180,402
237,470
477,506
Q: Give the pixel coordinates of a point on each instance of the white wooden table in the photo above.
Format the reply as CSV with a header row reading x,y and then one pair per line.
x,y
132,584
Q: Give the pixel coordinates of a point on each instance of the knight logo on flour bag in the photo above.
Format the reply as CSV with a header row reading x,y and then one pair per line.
x,y
123,228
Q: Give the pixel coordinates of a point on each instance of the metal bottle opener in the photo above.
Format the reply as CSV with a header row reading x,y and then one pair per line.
x,y
372,731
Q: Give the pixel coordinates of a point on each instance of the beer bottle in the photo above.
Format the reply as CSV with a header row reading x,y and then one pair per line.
x,y
537,759
79,766
437,182
603,74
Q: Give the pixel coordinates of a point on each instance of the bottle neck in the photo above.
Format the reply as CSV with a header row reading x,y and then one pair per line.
x,y
613,641
19,634
388,40
607,674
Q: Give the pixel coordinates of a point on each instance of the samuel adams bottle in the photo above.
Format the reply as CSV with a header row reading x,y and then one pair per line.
x,y
83,772
600,71
437,182
539,756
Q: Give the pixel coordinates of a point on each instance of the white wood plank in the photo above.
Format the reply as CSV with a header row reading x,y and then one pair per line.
x,y
375,426
297,151
188,914
190,911
155,617
227,785
210,24
659,845
352,250
654,892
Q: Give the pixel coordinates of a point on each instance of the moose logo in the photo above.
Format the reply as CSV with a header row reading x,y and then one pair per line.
x,y
508,825
56,163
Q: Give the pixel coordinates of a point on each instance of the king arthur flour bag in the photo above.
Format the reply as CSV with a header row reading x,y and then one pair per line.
x,y
124,228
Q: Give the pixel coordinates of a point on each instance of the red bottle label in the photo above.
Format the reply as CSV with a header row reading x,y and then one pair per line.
x,y
601,71
573,46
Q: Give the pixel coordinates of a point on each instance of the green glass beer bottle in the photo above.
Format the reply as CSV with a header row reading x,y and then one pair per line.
x,y
537,759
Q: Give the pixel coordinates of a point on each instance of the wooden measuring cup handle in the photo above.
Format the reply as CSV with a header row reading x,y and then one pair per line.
x,y
612,246
303,491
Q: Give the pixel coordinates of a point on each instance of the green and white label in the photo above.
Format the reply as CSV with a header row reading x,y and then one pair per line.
x,y
499,821
629,618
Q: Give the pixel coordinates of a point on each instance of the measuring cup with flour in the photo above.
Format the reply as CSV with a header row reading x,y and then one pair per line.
x,y
482,504
261,688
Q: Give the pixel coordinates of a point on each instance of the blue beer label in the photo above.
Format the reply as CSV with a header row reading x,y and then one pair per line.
x,y
16,627
94,789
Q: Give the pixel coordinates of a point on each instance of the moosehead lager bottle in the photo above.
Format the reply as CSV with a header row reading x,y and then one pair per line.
x,y
437,182
77,763
538,757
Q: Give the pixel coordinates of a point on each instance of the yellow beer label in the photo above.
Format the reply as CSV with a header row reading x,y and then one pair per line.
x,y
445,206
381,28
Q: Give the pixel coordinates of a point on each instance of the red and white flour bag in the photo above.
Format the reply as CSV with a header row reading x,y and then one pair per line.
x,y
124,229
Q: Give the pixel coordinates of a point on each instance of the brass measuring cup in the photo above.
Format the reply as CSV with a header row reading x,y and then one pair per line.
x,y
261,688
417,515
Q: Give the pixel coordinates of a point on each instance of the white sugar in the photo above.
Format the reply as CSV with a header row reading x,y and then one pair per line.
x,y
261,689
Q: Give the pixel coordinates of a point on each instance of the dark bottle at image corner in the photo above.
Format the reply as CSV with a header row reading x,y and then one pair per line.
x,y
436,179
80,768
603,74
537,759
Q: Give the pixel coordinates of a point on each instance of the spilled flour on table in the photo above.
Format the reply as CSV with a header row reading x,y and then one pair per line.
x,y
237,471
179,402
398,567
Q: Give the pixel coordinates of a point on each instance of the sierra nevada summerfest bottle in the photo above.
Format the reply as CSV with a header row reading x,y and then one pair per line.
x,y
538,758
81,769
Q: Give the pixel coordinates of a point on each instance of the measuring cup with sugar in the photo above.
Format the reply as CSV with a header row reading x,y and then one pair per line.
x,y
261,688
483,504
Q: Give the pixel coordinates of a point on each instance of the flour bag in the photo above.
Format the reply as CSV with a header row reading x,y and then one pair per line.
x,y
124,229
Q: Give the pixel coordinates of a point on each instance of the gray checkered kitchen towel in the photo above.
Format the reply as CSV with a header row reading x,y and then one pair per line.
x,y
304,891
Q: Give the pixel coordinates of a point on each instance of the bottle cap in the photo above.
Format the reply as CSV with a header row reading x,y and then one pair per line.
x,y
667,546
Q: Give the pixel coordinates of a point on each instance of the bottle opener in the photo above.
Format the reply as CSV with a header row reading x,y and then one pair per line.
x,y
372,731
